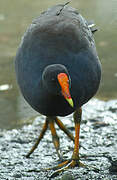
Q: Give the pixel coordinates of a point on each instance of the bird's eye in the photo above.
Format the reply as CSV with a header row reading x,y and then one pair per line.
x,y
53,79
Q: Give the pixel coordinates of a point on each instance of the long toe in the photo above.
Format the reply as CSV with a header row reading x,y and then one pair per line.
x,y
66,165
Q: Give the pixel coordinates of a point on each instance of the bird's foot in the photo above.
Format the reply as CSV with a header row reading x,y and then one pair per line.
x,y
64,166
70,164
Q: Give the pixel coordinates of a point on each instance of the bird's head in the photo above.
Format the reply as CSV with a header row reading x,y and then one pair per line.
x,y
57,81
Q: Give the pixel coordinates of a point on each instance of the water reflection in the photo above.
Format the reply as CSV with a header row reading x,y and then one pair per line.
x,y
14,19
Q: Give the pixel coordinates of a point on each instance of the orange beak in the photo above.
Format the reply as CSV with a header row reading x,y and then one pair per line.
x,y
64,83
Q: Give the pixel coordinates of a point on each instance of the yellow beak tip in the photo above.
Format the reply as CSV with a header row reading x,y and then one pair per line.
x,y
70,101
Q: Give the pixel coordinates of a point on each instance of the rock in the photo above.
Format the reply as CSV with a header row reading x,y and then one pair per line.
x,y
98,146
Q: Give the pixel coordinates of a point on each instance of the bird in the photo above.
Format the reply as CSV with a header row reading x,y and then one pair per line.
x,y
58,70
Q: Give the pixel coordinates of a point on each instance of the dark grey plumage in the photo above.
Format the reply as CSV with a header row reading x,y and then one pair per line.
x,y
61,36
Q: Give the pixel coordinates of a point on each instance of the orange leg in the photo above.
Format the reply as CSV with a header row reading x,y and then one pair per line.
x,y
55,137
45,126
77,120
75,156
63,128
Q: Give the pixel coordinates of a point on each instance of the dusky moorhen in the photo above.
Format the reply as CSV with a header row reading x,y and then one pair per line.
x,y
58,70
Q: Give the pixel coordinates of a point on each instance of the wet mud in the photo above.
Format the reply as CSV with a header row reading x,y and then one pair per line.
x,y
98,147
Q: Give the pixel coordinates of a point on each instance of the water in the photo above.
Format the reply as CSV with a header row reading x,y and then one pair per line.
x,y
14,19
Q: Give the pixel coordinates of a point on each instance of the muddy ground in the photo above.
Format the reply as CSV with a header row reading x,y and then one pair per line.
x,y
98,147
